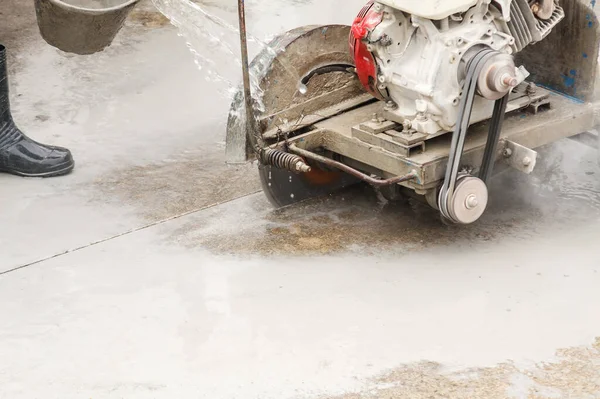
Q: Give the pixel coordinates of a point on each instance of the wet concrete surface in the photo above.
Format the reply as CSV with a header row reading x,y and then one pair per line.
x,y
156,271
562,192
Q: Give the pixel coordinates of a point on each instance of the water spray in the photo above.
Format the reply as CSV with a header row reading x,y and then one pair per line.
x,y
265,155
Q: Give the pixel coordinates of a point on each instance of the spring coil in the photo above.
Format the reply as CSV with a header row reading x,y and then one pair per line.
x,y
284,160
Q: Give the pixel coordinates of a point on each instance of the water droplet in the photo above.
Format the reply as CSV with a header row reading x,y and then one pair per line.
x,y
302,88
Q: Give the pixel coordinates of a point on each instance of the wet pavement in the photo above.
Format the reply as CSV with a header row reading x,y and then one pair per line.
x,y
156,271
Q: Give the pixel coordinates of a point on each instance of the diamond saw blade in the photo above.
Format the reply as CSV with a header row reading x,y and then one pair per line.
x,y
285,188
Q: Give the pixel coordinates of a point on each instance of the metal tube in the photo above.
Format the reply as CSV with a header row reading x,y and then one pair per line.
x,y
351,171
251,124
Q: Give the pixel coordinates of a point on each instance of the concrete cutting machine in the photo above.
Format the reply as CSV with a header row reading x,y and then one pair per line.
x,y
424,97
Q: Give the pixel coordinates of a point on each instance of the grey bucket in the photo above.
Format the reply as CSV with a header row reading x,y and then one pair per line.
x,y
81,26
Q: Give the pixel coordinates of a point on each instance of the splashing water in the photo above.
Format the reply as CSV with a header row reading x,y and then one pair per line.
x,y
302,88
203,33
209,39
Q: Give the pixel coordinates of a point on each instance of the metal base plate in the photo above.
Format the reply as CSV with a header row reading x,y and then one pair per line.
x,y
565,118
390,135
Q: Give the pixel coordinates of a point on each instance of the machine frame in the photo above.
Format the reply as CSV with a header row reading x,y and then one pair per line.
x,y
344,129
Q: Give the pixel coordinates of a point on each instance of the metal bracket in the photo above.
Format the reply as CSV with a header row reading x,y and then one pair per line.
x,y
519,157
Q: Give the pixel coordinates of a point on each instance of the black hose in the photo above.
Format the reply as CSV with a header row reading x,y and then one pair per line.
x,y
327,69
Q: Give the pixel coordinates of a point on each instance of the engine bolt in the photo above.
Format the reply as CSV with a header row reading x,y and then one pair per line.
x,y
508,80
531,88
507,152
526,161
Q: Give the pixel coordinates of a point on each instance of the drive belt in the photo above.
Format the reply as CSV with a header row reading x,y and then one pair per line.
x,y
474,69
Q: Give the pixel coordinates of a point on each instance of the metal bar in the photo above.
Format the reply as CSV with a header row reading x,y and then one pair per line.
x,y
251,124
491,147
351,171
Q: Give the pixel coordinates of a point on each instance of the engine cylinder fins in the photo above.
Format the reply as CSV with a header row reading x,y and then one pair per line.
x,y
467,203
532,20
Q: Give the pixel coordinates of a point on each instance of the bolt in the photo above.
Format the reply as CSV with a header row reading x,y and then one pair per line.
x,y
510,81
535,8
507,152
302,167
471,202
390,105
375,119
526,161
531,88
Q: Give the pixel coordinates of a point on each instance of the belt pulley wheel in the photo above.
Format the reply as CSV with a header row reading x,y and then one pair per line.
x,y
463,198
469,200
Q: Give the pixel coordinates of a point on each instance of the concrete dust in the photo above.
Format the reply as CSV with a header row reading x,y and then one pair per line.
x,y
352,220
358,220
575,374
186,182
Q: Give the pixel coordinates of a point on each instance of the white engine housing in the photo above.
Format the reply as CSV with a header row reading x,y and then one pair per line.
x,y
430,9
420,60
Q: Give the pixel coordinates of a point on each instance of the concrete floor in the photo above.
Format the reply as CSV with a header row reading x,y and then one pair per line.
x,y
155,271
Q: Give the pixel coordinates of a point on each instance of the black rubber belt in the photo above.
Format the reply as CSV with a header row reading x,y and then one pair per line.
x,y
474,69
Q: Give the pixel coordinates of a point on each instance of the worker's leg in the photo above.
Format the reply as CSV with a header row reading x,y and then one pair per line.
x,y
18,153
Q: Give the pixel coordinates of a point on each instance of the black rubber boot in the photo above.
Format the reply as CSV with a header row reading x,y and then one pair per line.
x,y
19,154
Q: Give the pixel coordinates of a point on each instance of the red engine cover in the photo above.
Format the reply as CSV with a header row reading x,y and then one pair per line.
x,y
366,66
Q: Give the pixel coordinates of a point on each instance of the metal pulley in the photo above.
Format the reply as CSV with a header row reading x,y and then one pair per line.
x,y
468,201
